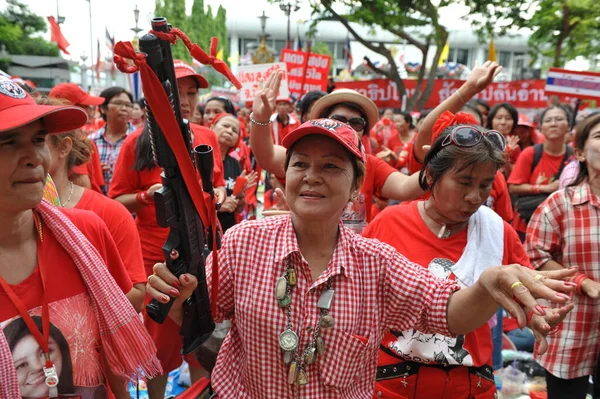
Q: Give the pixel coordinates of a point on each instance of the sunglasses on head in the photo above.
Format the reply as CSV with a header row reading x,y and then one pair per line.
x,y
357,123
470,136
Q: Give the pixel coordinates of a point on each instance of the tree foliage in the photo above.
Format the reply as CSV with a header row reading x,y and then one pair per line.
x,y
413,21
174,11
561,29
17,27
565,29
200,26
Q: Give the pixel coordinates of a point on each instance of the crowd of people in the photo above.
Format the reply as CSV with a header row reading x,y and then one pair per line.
x,y
384,258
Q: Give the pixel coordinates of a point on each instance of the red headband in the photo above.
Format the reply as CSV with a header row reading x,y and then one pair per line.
x,y
218,117
448,119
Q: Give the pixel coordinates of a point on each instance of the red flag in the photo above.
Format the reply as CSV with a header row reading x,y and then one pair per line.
x,y
97,68
57,36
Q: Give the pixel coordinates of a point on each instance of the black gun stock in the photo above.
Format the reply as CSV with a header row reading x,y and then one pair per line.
x,y
174,206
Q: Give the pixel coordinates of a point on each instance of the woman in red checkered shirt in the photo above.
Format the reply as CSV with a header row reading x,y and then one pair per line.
x,y
565,231
310,300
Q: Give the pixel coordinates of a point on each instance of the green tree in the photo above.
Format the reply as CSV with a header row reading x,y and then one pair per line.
x,y
221,32
17,27
174,11
561,29
399,18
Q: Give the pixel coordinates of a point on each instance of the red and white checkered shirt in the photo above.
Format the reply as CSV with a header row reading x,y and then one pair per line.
x,y
566,228
376,288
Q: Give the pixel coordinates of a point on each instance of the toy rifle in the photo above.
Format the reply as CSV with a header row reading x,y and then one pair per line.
x,y
174,205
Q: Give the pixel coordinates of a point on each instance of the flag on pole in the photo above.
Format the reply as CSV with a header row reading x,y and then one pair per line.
x,y
348,54
110,40
492,56
57,36
445,54
97,67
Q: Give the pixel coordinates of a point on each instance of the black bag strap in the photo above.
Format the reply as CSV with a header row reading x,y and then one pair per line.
x,y
538,151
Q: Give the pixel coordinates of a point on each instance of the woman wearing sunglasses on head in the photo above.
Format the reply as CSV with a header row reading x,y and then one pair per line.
x,y
536,174
358,111
457,239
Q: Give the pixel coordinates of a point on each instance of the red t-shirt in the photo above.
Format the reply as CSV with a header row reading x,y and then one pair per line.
x,y
357,213
75,345
544,173
499,199
92,169
279,131
127,180
122,228
422,246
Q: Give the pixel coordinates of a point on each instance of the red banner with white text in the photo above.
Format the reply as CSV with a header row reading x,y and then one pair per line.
x,y
520,93
315,68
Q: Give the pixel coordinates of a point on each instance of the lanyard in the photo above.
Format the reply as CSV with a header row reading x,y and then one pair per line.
x,y
49,369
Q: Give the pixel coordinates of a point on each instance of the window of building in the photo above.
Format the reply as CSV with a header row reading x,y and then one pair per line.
x,y
504,59
279,45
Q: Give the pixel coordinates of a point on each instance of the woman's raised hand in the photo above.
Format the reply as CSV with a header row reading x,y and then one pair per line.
x,y
264,99
482,75
162,285
516,289
546,325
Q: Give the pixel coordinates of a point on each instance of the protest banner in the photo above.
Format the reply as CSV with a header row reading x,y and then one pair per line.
x,y
253,76
314,71
520,93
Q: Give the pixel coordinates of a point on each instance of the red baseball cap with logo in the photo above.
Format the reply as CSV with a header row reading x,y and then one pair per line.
x,y
340,132
74,94
183,70
17,109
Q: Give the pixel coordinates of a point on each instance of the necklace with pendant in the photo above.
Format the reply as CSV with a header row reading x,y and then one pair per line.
x,y
298,359
445,231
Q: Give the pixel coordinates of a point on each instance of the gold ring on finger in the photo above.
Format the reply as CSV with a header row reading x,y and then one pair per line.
x,y
516,284
539,277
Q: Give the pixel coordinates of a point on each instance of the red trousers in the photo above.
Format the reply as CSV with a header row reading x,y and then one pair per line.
x,y
429,382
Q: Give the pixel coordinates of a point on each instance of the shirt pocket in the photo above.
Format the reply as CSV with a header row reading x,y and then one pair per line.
x,y
345,359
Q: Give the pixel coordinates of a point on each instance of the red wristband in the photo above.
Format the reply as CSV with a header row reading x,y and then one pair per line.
x,y
578,279
143,198
536,189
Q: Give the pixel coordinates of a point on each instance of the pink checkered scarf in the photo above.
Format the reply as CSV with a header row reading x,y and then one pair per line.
x,y
128,348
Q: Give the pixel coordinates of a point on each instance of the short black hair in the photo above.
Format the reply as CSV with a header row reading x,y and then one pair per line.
x,y
227,104
108,95
307,100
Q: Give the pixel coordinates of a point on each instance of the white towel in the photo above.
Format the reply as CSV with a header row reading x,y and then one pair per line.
x,y
484,249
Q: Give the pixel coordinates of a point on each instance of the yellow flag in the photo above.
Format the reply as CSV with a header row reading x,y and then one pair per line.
x,y
444,55
220,55
492,51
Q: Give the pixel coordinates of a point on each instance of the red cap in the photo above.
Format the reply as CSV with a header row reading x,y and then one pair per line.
x,y
340,132
74,94
17,108
285,99
183,70
524,121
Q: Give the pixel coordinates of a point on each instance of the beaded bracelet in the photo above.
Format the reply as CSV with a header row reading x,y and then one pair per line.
x,y
257,122
143,198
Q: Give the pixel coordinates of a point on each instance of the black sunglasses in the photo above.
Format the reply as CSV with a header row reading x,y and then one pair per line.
x,y
357,123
